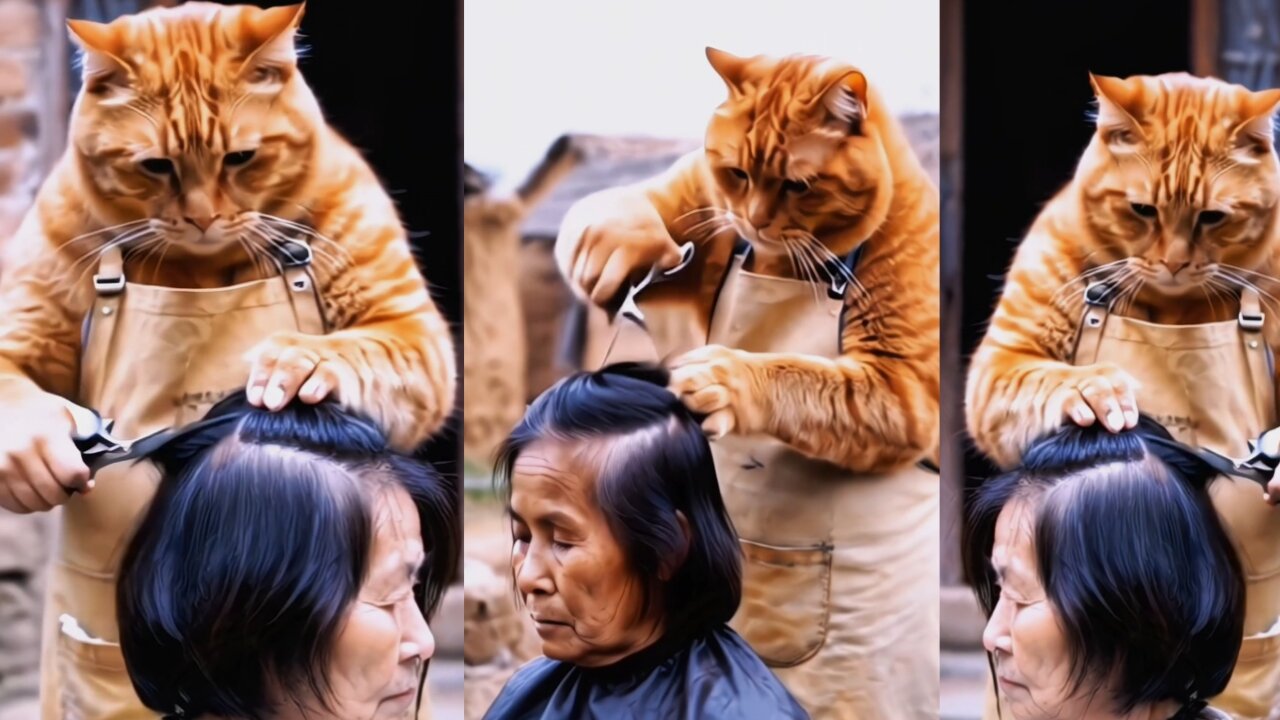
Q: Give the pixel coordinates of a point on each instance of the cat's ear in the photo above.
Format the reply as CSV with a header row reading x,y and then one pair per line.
x,y
731,68
1256,131
270,42
100,47
845,100
1119,102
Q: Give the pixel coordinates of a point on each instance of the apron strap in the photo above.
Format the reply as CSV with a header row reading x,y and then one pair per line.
x,y
295,258
100,324
109,280
1251,320
839,271
1097,305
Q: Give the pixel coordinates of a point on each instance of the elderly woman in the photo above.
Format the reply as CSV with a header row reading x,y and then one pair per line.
x,y
283,570
626,560
1111,588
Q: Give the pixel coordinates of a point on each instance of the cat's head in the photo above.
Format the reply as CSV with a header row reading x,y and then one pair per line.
x,y
1180,180
194,117
796,153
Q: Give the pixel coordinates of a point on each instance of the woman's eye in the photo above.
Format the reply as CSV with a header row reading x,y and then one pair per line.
x,y
560,545
1141,210
738,173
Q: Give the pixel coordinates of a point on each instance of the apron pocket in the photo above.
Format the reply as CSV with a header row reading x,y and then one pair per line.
x,y
95,684
785,601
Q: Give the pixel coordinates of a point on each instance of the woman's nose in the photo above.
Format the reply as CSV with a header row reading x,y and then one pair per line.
x,y
531,573
995,636
417,640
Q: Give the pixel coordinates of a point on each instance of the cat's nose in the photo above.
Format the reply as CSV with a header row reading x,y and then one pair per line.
x,y
1174,265
202,222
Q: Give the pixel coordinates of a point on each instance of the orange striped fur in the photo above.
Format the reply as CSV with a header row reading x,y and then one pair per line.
x,y
199,86
806,162
1174,200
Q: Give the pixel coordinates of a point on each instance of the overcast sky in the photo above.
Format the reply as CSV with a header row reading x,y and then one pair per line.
x,y
534,70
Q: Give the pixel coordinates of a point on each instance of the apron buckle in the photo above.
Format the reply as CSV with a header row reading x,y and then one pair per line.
x,y
294,254
108,285
1096,294
1251,321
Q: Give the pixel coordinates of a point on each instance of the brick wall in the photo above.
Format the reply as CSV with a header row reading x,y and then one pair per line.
x,y
20,108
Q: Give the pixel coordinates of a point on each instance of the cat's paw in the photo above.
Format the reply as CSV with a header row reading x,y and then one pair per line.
x,y
1097,393
618,239
288,365
720,382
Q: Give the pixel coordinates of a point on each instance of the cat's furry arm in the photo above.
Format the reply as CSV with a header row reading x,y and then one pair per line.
x,y
391,353
41,303
875,407
610,237
1020,378
872,409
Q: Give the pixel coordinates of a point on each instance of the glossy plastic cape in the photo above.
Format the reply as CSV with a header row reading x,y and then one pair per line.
x,y
716,676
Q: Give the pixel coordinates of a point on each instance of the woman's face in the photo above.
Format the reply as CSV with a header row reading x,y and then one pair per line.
x,y
572,573
1033,668
374,669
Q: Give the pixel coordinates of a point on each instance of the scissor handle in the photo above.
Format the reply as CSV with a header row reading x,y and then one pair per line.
x,y
86,422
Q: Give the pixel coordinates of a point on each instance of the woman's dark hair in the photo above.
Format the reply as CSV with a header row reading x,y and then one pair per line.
x,y
241,572
1132,557
660,464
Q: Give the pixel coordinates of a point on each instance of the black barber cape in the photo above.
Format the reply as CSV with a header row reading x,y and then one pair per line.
x,y
716,676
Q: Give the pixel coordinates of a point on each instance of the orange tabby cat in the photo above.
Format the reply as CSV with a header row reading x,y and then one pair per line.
x,y
1175,199
804,162
1142,286
196,145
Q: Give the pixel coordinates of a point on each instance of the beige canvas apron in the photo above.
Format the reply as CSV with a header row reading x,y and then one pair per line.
x,y
1211,385
151,357
840,587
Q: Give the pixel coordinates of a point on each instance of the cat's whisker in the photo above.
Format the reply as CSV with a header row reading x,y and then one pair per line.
x,y
79,275
682,216
696,227
791,255
271,220
278,239
164,250
809,273
1083,279
147,250
1244,282
132,224
265,249
818,276
260,266
1246,271
122,239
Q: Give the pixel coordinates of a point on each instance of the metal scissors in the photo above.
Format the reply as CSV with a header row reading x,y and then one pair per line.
x,y
96,440
630,309
1259,465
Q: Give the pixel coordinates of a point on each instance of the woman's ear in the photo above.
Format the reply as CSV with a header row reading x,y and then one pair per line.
x,y
672,566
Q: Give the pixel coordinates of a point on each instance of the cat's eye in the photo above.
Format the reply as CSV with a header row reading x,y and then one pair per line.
x,y
157,166
738,173
236,159
1209,218
1141,210
795,187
